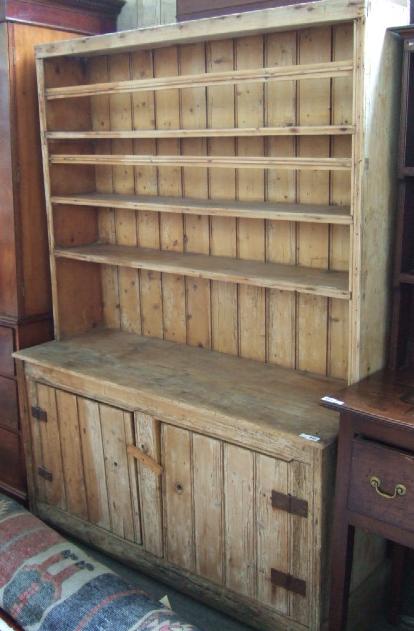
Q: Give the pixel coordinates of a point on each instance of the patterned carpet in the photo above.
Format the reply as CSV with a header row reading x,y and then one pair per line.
x,y
209,619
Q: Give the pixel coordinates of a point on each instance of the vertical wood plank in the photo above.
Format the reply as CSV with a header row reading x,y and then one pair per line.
x,y
93,463
299,540
176,449
240,520
222,184
272,535
280,109
167,106
342,96
195,184
208,507
51,449
123,183
148,223
36,442
98,72
313,239
250,186
67,411
147,431
129,428
117,472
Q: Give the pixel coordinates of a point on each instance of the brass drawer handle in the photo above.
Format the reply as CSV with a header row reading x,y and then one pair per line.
x,y
399,490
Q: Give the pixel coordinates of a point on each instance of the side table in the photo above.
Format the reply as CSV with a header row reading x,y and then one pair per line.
x,y
374,479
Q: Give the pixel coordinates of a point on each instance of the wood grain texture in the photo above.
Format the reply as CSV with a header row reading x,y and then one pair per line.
x,y
208,507
147,432
272,210
121,488
267,402
276,19
239,520
49,446
93,463
309,71
246,272
72,464
176,446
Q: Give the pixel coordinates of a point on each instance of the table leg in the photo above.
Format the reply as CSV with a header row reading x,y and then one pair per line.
x,y
398,556
342,551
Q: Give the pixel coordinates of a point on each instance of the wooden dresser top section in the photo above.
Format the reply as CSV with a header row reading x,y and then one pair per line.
x,y
235,25
215,392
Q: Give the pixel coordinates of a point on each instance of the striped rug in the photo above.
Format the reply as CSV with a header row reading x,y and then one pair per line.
x,y
49,584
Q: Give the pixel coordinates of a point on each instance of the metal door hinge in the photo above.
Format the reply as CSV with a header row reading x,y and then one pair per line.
x,y
45,474
39,414
288,582
290,504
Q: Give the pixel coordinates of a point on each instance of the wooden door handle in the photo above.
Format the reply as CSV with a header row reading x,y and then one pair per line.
x,y
132,450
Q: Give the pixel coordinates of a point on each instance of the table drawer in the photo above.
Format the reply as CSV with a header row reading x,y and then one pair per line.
x,y
6,350
382,483
8,404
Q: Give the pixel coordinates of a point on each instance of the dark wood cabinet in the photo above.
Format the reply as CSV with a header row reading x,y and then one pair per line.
x,y
193,9
402,332
25,310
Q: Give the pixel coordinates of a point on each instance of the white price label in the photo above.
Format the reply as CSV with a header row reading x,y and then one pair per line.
x,y
332,400
314,439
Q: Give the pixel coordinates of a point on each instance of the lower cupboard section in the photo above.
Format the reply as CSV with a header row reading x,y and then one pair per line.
x,y
234,527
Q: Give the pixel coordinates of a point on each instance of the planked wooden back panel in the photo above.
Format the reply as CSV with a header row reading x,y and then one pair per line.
x,y
298,331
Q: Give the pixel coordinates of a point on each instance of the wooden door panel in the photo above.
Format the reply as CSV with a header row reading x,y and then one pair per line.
x,y
272,530
147,432
116,427
6,350
9,415
80,447
49,454
222,521
208,507
72,463
240,559
93,463
176,449
299,540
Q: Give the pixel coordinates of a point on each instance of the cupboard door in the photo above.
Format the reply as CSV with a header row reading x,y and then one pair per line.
x,y
82,465
147,437
231,515
47,451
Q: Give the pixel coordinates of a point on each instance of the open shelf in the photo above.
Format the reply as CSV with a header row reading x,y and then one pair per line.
x,y
210,79
313,213
271,275
287,130
230,162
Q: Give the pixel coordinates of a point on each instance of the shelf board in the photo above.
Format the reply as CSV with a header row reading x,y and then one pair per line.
x,y
231,162
210,79
250,210
224,393
272,275
287,130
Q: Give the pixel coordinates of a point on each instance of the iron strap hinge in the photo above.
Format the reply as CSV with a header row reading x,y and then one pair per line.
x,y
39,414
45,474
290,504
288,582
